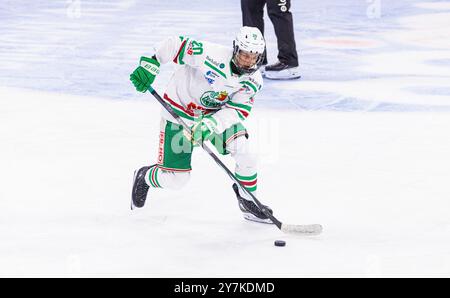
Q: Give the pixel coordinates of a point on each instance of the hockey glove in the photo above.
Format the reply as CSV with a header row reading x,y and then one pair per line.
x,y
143,76
203,130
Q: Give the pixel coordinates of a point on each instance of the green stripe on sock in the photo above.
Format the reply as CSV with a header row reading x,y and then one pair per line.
x,y
150,173
246,178
156,176
252,189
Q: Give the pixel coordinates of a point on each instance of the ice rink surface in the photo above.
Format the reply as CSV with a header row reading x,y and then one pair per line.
x,y
360,144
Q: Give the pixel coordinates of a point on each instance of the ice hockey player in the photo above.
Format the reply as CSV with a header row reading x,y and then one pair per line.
x,y
213,91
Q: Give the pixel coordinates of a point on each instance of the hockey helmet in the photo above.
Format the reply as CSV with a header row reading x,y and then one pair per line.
x,y
248,50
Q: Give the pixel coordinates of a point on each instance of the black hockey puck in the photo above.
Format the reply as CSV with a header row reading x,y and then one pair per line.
x,y
280,243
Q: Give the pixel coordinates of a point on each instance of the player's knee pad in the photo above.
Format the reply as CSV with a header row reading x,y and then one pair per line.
x,y
239,144
241,152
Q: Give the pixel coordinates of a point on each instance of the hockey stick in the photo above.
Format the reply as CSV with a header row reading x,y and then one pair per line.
x,y
313,229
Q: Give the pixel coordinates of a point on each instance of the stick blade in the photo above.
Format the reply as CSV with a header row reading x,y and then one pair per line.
x,y
304,230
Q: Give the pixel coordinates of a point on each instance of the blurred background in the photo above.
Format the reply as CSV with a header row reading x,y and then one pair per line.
x,y
363,55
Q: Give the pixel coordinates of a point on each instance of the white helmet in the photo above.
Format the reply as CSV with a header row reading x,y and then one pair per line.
x,y
249,40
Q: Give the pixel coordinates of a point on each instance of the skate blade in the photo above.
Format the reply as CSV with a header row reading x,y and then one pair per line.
x,y
287,74
251,217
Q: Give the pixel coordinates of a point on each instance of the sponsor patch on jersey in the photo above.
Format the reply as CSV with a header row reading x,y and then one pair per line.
x,y
246,89
161,147
214,62
211,76
258,85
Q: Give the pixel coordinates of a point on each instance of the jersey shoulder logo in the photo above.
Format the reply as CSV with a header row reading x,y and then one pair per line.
x,y
194,48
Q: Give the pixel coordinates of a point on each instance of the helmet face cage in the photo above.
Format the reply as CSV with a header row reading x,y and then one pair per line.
x,y
246,70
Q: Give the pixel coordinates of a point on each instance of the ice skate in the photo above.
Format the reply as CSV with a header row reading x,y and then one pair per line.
x,y
140,188
281,71
250,210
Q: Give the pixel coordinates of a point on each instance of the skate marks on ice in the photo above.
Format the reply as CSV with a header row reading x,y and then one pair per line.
x,y
141,218
360,175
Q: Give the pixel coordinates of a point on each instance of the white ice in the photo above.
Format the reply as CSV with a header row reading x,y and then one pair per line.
x,y
360,144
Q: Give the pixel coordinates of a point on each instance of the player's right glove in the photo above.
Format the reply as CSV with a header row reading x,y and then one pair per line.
x,y
143,76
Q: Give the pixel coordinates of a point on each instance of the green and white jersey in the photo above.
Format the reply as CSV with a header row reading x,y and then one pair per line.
x,y
204,83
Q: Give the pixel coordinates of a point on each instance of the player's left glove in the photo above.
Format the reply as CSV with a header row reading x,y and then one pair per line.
x,y
143,76
203,130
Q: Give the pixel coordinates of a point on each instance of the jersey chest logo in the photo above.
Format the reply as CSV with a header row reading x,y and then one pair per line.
x,y
211,99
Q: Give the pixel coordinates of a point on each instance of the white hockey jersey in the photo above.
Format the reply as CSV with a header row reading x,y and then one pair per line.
x,y
204,83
